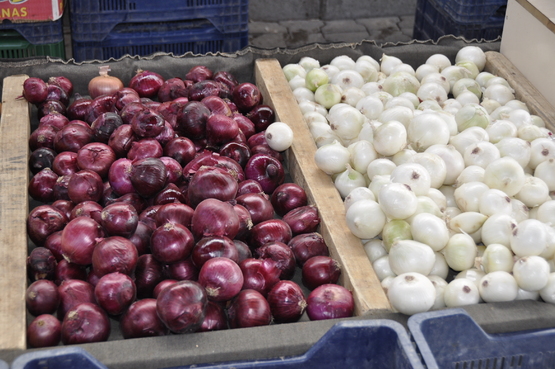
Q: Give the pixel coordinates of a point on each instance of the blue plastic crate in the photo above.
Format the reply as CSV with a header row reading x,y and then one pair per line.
x,y
431,22
94,20
473,11
60,358
378,343
199,37
37,33
452,339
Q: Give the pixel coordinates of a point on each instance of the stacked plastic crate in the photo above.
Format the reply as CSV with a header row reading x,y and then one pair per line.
x,y
471,19
103,29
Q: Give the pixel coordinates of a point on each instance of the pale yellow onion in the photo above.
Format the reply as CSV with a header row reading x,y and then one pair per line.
x,y
455,72
461,292
467,195
497,257
390,138
470,66
395,230
498,286
293,69
460,252
365,219
472,115
397,200
430,230
327,95
466,84
398,82
406,256
531,273
528,238
374,249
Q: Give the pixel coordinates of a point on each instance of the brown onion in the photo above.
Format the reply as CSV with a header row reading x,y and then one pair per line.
x,y
104,84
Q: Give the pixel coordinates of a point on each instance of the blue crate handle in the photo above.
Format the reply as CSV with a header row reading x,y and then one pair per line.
x,y
59,358
452,339
378,343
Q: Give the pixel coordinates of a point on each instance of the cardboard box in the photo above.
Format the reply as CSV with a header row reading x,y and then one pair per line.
x,y
31,10
528,41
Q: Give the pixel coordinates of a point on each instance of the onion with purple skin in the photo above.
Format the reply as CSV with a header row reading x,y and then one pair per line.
x,y
148,273
42,297
146,83
166,135
174,169
90,209
304,219
182,270
96,156
174,213
115,292
272,230
147,215
145,148
41,158
182,306
221,278
259,206
66,270
287,302
93,278
249,309
220,129
319,270
201,89
171,243
62,82
217,105
240,152
121,140
49,107
85,185
141,237
56,120
133,199
61,188
267,170
147,124
259,274
72,137
104,125
119,176
43,221
160,286
41,264
211,182
72,293
209,158
282,255
287,197
307,245
226,78
249,186
66,206
169,110
245,125
100,105
191,120
79,238
330,301
257,139
41,186
65,163
114,254
246,96
57,93
119,219
171,89
245,221
214,246
141,320
148,176
199,73
43,136
129,110
213,217
78,108
54,243
85,323
265,149
243,250
169,194
181,149
215,319
44,331
125,96
35,90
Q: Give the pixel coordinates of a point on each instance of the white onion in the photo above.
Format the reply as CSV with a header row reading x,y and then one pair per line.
x,y
498,286
346,121
451,106
546,213
400,101
362,154
497,229
460,252
370,106
374,249
356,194
472,53
527,295
388,63
403,156
505,174
454,161
302,94
401,114
472,274
370,88
426,205
439,284
377,182
466,84
352,95
461,292
428,105
546,172
530,132
322,133
399,82
328,95
501,129
531,273
483,77
425,69
411,256
470,66
395,230
332,158
365,219
481,154
471,115
494,201
449,192
367,131
438,198
414,175
435,166
343,62
497,257
331,70
432,91
528,238
534,192
367,70
517,104
490,105
311,106
471,173
537,121
279,136
348,78
499,93
467,97
297,82
454,72
348,180
382,269
440,61
467,195
437,78
467,222
390,138
440,269
498,80
404,67
548,292
397,200
412,98
468,137
369,59
430,230
411,293
519,117
501,112
315,78
292,70
309,63
520,210
427,129
516,148
380,166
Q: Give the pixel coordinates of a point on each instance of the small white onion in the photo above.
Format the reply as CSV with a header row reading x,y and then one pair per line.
x,y
311,106
481,154
519,117
449,193
546,213
490,105
517,104
397,200
322,133
473,54
501,112
346,121
467,222
395,230
505,174
331,70
440,61
451,106
497,229
537,121
374,249
348,78
426,205
460,252
493,201
352,95
356,194
327,95
302,94
427,129
430,230
435,166
528,238
297,82
292,70
466,84
440,269
530,132
315,78
404,67
332,158
471,173
313,116
437,78
380,166
388,63
470,66
370,106
369,59
428,105
400,101
461,292
472,274
520,210
531,273
546,172
548,292
399,82
365,219
454,161
425,69
414,175
401,114
438,198
411,256
432,91
499,93
527,295
468,194
412,98
367,131
367,70
377,182
411,293
533,192
483,77
309,63
472,115
497,80
348,180
497,257
516,148
279,136
498,286
468,137
439,284
454,72
343,62
362,154
467,97
403,156
370,88
382,269
501,129
390,138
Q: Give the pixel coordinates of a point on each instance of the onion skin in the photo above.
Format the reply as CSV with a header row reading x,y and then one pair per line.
x,y
215,320
79,239
282,255
42,297
43,221
115,292
221,278
174,212
287,197
114,254
171,242
304,219
267,170
259,274
74,292
287,302
330,301
41,264
141,320
44,331
307,245
85,323
182,306
148,176
119,219
272,230
259,206
214,246
249,309
104,84
319,270
213,217
211,182
35,90
85,185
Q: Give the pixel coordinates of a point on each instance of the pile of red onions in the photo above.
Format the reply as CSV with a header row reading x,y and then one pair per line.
x,y
164,207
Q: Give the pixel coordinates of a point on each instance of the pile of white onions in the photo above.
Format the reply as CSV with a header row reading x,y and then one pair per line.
x,y
446,178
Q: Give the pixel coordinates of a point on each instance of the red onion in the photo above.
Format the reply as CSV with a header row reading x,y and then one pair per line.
x,y
147,124
304,219
210,247
54,243
119,176
114,254
249,186
246,96
79,239
104,84
171,242
240,152
217,105
272,230
287,197
171,89
119,219
66,206
243,250
249,309
181,306
220,129
61,188
191,120
41,158
148,273
226,78
258,205
129,110
43,136
330,301
44,331
90,209
85,323
49,107
72,293
141,320
145,148
181,149
125,96
104,125
96,156
99,105
160,286
174,169
282,255
209,158
72,137
148,176
115,292
57,93
43,221
265,149
211,182
78,108
169,194
257,139
307,245
319,270
215,319
42,297
221,278
287,302
148,215
259,274
245,221
41,264
201,89
182,270
62,82
245,125
41,186
65,163
121,140
146,83
141,237
169,110
93,277
174,213
199,73
213,217
265,169
35,90
56,120
85,185
66,270
262,116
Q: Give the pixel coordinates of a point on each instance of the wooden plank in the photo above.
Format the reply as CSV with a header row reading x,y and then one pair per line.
x,y
525,91
357,273
14,178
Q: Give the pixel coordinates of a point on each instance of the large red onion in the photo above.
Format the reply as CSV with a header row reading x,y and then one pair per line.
x,y
115,292
209,158
215,319
35,90
145,148
282,255
245,125
146,123
114,254
85,323
287,197
319,270
141,320
41,264
43,221
78,108
160,286
182,306
210,247
217,105
211,182
249,309
272,230
201,89
121,140
220,129
191,120
213,217
245,221
148,273
141,237
119,176
258,204
119,219
181,149
43,136
65,163
199,73
182,270
249,186
42,297
54,243
259,274
44,331
304,219
262,116
171,89
100,104
267,170
72,137
41,186
96,156
174,213
148,176
307,245
221,278
174,169
238,151
66,270
91,209
125,96
104,125
54,119
330,301
287,302
171,242
246,96
41,158
146,83
79,239
85,185
72,293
